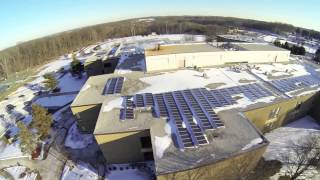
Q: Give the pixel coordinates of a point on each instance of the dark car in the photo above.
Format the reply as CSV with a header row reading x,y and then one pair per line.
x,y
9,108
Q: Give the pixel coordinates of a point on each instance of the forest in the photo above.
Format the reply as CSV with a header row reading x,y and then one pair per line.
x,y
39,51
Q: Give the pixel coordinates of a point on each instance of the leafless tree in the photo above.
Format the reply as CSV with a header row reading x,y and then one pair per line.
x,y
302,155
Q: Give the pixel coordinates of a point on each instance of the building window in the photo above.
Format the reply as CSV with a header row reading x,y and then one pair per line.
x,y
145,142
274,113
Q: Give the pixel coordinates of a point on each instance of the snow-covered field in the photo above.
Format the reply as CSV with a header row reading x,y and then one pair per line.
x,y
76,140
79,171
281,138
23,97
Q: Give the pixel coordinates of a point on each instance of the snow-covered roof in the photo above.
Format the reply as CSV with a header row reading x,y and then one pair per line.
x,y
182,48
232,81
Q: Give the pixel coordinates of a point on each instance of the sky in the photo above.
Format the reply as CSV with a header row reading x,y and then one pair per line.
x,y
23,20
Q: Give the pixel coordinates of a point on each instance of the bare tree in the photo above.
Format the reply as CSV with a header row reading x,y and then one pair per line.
x,y
302,155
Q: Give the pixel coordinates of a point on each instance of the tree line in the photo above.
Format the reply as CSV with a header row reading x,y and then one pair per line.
x,y
36,52
296,50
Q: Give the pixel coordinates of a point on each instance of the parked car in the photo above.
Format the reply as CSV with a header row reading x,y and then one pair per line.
x,y
9,108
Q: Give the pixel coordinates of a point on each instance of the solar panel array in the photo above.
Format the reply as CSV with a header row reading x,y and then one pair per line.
x,y
127,112
114,85
295,83
191,111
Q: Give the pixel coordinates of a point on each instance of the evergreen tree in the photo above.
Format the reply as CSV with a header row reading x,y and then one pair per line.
x,y
50,82
27,142
277,43
76,66
41,121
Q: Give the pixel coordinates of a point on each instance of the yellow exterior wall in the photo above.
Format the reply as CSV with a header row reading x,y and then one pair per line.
x,y
204,59
287,113
122,147
86,116
228,169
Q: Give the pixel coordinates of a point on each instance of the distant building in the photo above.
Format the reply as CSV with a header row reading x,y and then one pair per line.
x,y
168,57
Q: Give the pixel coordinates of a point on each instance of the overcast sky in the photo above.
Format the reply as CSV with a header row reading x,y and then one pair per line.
x,y
23,20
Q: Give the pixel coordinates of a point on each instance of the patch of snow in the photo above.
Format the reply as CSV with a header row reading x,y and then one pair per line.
x,y
167,129
80,171
69,83
55,66
194,120
16,171
86,87
183,124
281,138
129,173
116,103
252,143
244,102
161,144
278,70
10,151
189,79
55,101
123,71
77,140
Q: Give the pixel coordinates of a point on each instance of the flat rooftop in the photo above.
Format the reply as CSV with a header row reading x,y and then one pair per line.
x,y
204,47
227,90
180,49
258,47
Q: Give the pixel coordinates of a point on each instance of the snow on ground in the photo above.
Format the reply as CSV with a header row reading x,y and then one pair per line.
x,y
25,94
76,140
55,101
10,151
188,79
69,83
128,172
55,66
132,174
282,137
252,143
276,70
80,171
116,103
20,172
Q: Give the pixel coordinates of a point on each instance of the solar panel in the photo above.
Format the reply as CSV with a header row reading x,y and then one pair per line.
x,y
119,84
175,116
114,85
148,99
188,118
126,113
295,83
191,111
213,117
139,101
